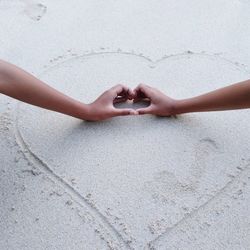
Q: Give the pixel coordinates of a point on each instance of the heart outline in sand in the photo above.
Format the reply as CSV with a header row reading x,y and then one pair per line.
x,y
207,147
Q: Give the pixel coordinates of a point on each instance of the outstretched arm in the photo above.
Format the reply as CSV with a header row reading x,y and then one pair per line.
x,y
21,85
236,96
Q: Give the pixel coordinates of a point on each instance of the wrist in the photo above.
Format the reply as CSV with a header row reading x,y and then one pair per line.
x,y
175,107
184,106
179,107
88,113
82,111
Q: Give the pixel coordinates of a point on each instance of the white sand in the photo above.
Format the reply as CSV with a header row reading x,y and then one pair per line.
x,y
130,182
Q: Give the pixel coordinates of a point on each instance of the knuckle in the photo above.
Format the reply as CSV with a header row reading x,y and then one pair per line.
x,y
142,85
107,92
119,86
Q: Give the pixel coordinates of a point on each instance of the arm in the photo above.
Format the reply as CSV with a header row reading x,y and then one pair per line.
x,y
236,96
21,85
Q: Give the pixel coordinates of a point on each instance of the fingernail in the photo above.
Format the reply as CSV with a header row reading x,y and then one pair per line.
x,y
133,112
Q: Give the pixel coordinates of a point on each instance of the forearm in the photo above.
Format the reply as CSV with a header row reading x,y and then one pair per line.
x,y
236,96
21,85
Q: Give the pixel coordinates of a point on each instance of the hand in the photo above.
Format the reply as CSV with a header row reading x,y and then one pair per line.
x,y
160,104
103,107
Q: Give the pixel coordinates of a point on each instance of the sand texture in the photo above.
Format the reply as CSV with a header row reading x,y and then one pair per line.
x,y
129,182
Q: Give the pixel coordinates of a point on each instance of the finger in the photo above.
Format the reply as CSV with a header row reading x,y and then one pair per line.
x,y
143,86
124,93
120,99
143,91
139,94
120,90
140,97
123,112
144,111
131,94
146,100
141,100
136,99
121,93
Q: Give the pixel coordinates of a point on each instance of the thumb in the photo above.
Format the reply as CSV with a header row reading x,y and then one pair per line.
x,y
144,111
119,112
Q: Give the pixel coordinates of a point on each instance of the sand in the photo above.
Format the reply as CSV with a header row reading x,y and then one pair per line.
x,y
129,182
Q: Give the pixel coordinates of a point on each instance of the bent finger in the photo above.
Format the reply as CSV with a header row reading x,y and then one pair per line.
x,y
143,91
120,89
120,99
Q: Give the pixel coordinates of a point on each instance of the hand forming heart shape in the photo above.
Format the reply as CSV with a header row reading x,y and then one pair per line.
x,y
103,107
19,84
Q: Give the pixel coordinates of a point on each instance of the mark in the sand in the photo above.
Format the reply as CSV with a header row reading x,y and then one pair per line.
x,y
157,226
34,172
35,11
166,187
226,189
69,202
205,148
106,230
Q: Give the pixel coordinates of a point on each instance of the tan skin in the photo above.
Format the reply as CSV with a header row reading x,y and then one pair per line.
x,y
236,96
21,85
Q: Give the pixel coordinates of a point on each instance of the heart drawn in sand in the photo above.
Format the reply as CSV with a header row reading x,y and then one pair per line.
x,y
141,174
